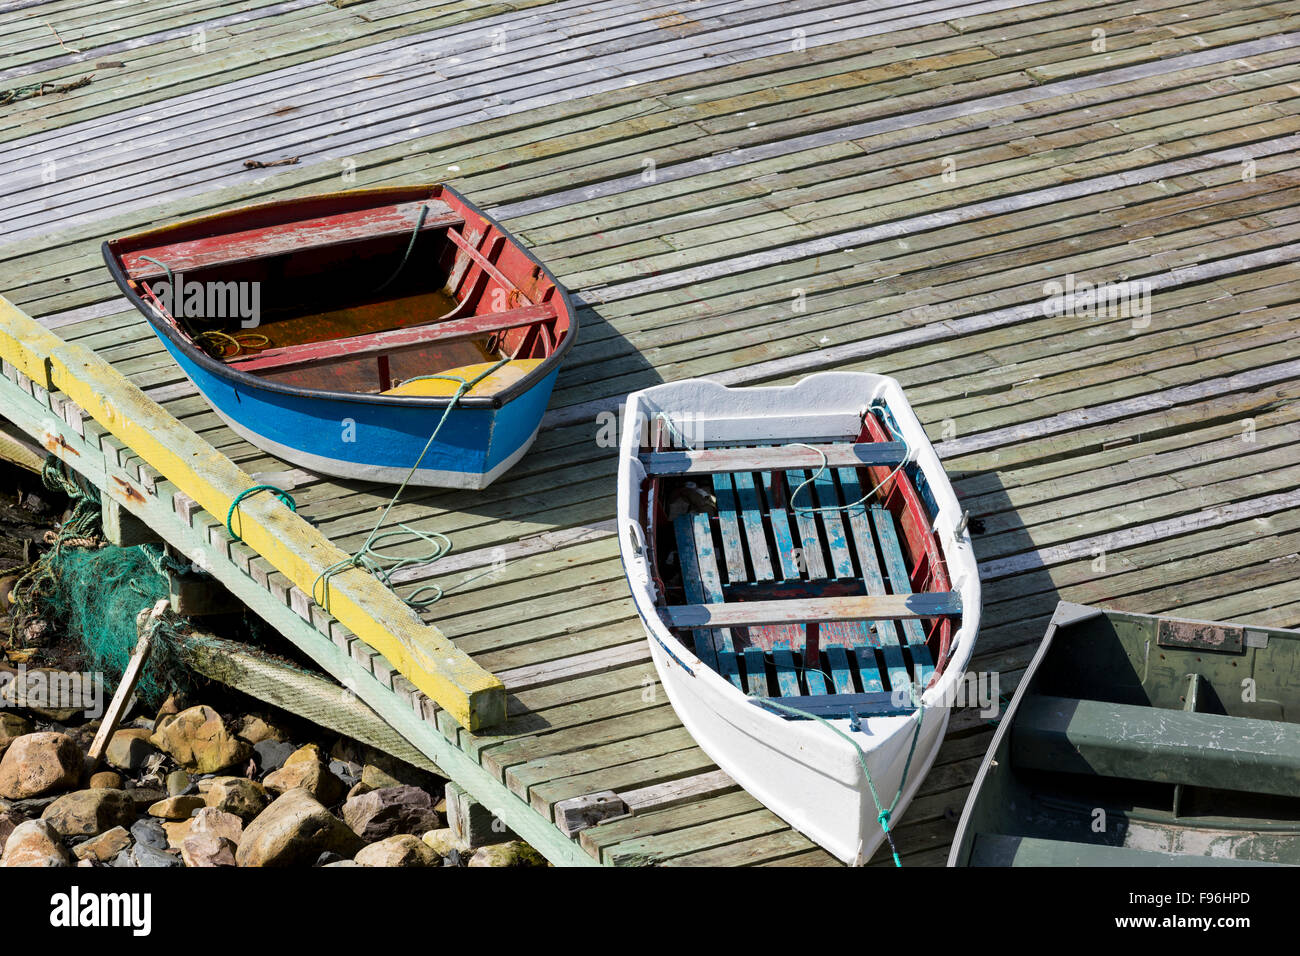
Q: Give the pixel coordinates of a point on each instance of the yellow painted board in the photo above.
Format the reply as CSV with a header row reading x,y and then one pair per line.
x,y
421,652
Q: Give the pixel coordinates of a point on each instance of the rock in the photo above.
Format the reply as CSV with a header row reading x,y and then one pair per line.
x,y
306,769
383,813
349,773
179,783
14,725
84,735
376,779
170,708
177,831
514,853
177,808
32,806
219,822
129,749
150,832
443,842
88,812
244,798
143,855
207,849
104,847
9,820
197,739
145,797
34,843
272,754
106,780
357,790
40,763
401,850
255,730
294,829
343,863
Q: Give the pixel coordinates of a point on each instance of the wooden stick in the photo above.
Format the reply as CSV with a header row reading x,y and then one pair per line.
x,y
144,625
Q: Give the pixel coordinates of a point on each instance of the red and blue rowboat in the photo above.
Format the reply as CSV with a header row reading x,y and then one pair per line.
x,y
333,331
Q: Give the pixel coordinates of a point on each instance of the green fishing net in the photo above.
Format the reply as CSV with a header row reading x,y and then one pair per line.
x,y
92,592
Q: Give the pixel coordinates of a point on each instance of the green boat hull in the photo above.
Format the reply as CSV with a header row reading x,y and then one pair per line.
x,y
1135,740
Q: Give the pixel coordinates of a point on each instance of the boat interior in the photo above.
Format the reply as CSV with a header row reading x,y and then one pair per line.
x,y
805,601
361,295
1138,737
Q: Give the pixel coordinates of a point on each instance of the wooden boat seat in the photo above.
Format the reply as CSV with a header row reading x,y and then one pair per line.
x,y
892,607
833,706
1157,745
502,378
324,231
999,849
712,461
378,343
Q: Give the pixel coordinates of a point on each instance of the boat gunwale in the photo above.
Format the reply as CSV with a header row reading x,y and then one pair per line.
x,y
249,381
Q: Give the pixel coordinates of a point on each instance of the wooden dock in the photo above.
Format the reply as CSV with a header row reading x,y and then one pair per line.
x,y
746,190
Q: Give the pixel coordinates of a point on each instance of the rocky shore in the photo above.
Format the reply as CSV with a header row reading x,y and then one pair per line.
x,y
195,784
191,787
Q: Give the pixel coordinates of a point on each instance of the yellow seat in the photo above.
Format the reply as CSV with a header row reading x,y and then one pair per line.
x,y
502,378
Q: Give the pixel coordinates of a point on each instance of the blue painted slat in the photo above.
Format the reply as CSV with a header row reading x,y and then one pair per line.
x,y
900,583
882,634
707,562
806,522
786,549
684,530
787,677
869,670
729,523
851,633
789,561
896,667
885,632
751,516
837,659
755,672
815,679
836,540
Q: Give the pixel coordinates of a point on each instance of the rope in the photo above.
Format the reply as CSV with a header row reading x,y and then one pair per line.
x,y
280,493
384,566
821,469
882,814
81,530
240,341
419,224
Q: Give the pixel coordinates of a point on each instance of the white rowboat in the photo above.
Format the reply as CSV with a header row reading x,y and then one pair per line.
x,y
803,572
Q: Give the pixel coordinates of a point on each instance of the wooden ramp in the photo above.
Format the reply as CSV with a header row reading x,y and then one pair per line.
x,y
1069,228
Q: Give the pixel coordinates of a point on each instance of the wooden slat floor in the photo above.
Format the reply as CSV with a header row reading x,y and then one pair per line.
x,y
751,191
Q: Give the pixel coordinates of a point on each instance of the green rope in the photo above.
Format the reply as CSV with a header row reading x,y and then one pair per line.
x,y
384,566
161,265
280,493
882,814
419,224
